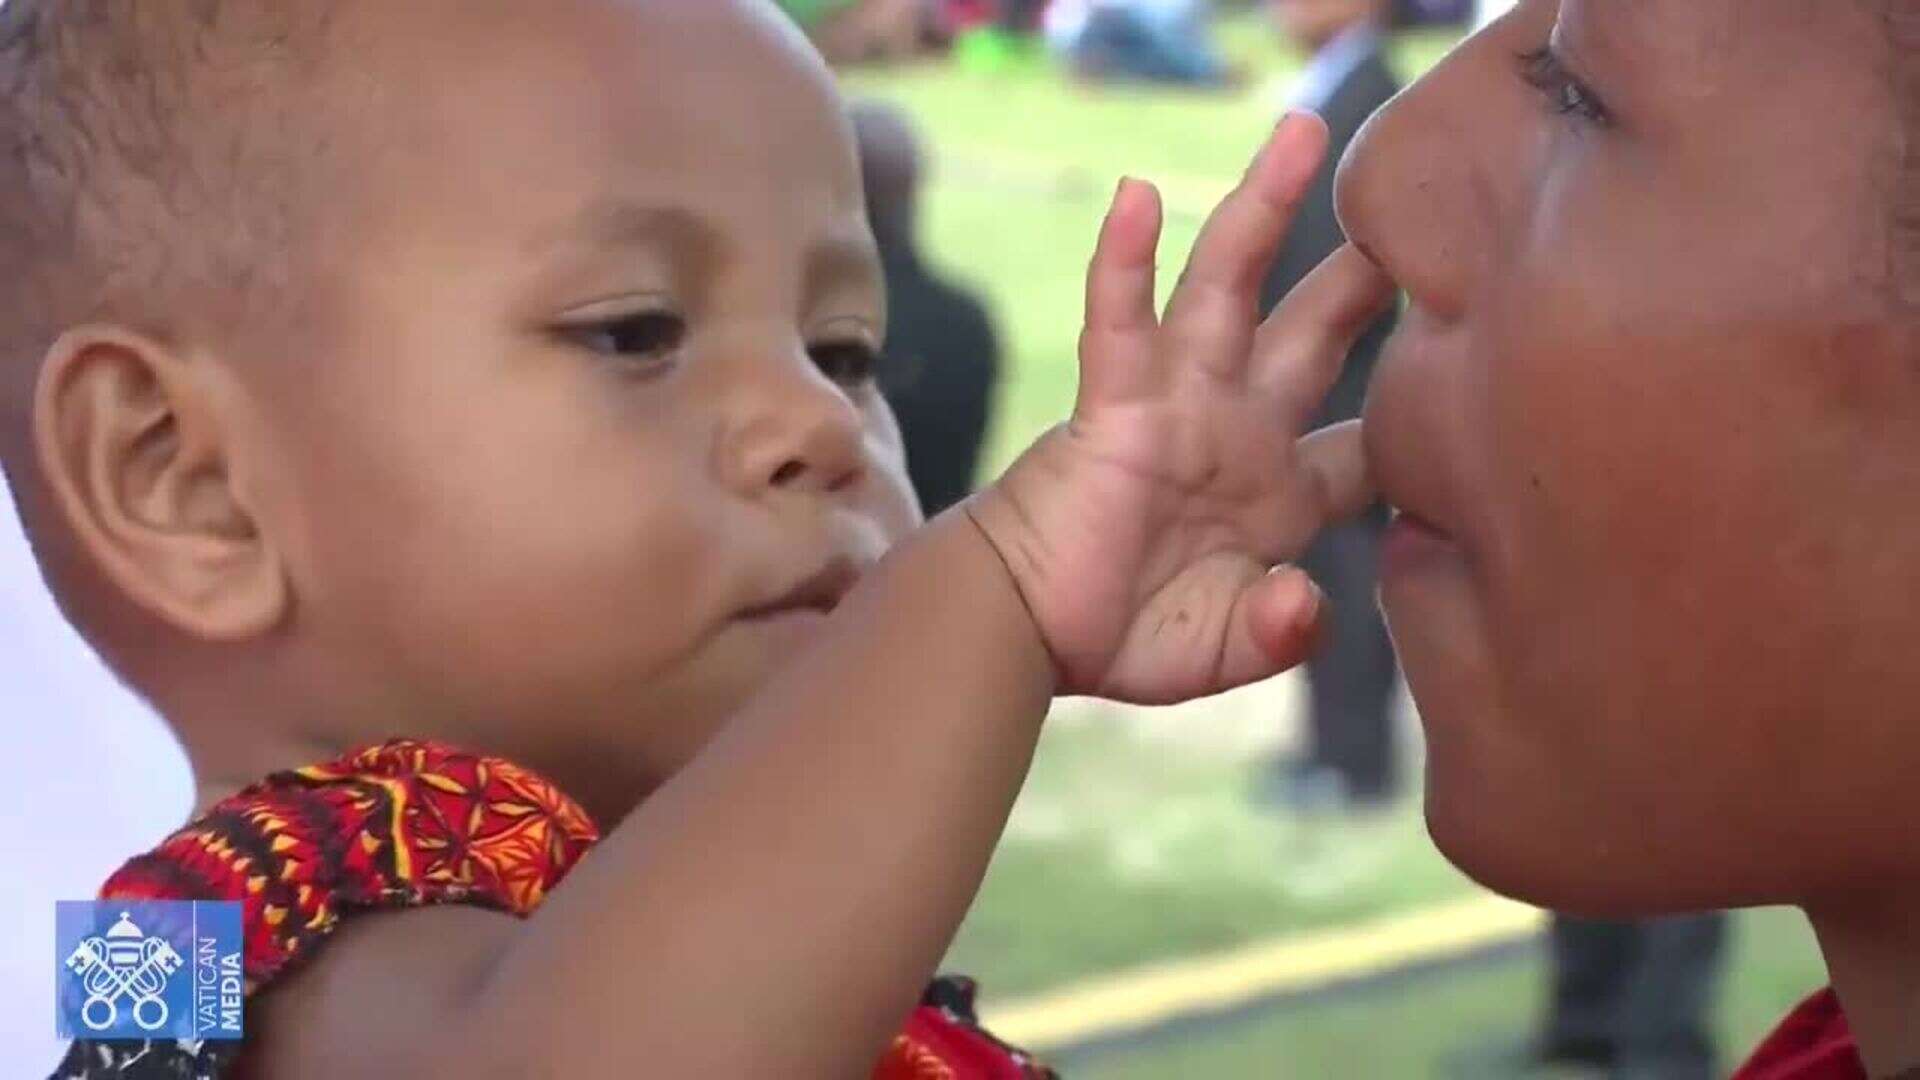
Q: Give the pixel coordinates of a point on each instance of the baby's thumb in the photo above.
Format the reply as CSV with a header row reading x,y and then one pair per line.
x,y
1279,626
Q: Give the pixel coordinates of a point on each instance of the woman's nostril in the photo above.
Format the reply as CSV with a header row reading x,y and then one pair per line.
x,y
846,480
787,473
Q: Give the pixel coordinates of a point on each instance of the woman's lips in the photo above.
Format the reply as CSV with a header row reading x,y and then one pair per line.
x,y
1412,543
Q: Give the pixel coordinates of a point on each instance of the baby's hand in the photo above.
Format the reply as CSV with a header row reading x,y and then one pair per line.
x,y
1143,533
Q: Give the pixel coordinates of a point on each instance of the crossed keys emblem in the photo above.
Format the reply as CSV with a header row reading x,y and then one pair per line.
x,y
124,963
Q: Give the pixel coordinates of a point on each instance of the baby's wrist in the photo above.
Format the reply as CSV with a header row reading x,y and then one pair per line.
x,y
1006,531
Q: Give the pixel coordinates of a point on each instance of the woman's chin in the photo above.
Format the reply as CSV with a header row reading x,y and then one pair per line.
x,y
1526,845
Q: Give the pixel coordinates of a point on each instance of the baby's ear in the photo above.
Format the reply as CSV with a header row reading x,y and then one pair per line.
x,y
135,449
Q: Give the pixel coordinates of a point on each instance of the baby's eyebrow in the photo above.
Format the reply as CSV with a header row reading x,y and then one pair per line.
x,y
616,224
841,262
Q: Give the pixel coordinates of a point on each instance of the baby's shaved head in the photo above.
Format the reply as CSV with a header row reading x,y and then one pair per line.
x,y
149,155
369,341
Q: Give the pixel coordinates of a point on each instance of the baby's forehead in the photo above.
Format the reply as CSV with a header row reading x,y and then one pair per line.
x,y
714,108
717,74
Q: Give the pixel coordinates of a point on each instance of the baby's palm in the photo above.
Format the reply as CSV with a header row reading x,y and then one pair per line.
x,y
1142,533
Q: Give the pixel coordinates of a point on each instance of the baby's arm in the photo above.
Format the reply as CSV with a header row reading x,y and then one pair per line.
x,y
774,909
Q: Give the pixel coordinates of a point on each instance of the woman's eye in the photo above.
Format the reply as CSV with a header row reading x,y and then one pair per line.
x,y
1565,93
849,363
646,336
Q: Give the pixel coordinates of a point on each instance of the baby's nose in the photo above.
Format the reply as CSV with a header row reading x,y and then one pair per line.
x,y
795,432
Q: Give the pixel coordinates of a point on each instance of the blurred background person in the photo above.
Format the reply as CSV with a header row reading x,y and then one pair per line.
x,y
942,356
860,31
1159,41
1021,16
1410,14
1349,761
1627,1001
1635,998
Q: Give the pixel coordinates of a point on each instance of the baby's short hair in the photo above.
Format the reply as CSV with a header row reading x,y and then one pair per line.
x,y
149,161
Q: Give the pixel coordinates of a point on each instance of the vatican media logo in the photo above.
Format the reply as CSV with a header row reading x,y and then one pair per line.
x,y
149,970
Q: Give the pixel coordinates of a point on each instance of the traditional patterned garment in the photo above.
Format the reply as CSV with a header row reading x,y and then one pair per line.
x,y
1813,1043
407,824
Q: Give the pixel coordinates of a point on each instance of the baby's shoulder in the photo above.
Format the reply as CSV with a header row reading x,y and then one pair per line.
x,y
405,824
402,824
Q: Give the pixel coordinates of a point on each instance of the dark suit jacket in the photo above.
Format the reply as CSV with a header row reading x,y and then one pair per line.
x,y
942,360
1316,232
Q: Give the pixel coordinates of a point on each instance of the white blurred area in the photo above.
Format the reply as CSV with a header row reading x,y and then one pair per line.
x,y
1489,10
88,777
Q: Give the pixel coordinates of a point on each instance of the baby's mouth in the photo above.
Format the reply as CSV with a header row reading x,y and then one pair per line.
x,y
819,593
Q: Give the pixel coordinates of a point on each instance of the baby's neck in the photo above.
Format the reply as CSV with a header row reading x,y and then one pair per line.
x,y
1874,959
233,747
222,767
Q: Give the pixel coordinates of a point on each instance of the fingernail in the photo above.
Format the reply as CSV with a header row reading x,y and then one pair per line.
x,y
1316,603
1274,135
1268,149
1315,599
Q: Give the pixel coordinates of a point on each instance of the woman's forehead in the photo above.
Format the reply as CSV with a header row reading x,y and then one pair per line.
x,y
1704,45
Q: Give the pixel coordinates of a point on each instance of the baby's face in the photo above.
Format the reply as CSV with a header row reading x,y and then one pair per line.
x,y
1655,407
593,445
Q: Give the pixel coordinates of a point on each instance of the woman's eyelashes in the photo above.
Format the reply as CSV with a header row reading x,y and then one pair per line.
x,y
1565,93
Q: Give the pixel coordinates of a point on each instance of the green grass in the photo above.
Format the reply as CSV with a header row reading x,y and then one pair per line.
x,y
1405,1031
1140,837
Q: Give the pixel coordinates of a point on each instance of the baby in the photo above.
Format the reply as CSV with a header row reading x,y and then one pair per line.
x,y
460,413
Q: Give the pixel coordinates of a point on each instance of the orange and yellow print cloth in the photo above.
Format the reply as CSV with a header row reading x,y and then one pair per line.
x,y
407,824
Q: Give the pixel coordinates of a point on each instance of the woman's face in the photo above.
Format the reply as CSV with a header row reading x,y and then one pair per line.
x,y
1656,404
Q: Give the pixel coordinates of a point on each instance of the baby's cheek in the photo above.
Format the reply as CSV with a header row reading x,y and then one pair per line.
x,y
546,594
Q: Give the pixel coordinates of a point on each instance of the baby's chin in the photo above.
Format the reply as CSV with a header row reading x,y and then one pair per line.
x,y
641,736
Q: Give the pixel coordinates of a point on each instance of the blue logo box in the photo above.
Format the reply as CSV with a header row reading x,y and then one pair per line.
x,y
148,969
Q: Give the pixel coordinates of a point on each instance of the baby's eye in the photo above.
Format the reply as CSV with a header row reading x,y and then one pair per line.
x,y
641,336
1565,93
849,363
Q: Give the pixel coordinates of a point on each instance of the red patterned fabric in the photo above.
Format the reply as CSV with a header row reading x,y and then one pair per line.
x,y
943,1040
406,824
402,824
1813,1043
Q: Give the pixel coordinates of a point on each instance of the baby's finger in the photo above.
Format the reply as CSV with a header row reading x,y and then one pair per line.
x,y
1275,629
1335,463
1116,344
1301,348
1218,297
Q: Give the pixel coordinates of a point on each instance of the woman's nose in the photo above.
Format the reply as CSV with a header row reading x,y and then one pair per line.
x,y
1413,191
793,430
